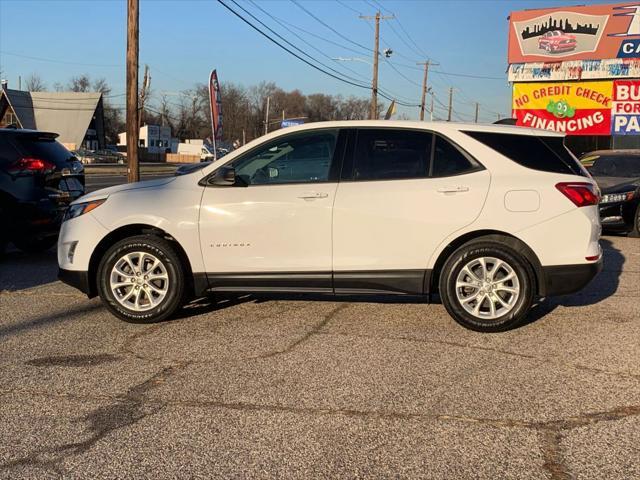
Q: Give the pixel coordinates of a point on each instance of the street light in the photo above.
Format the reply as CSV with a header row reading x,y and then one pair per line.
x,y
352,59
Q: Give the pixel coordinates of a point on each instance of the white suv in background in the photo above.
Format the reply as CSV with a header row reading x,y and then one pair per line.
x,y
488,217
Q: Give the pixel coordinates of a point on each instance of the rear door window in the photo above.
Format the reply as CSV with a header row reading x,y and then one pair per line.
x,y
389,154
448,160
544,153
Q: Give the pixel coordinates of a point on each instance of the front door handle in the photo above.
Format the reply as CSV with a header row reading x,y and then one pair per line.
x,y
313,195
453,189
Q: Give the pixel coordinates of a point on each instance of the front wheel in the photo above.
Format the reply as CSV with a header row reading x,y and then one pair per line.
x,y
140,279
487,286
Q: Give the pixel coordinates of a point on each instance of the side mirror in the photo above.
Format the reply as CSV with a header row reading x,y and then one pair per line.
x,y
224,176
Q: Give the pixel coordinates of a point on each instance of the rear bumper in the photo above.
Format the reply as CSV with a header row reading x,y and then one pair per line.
x,y
565,279
76,278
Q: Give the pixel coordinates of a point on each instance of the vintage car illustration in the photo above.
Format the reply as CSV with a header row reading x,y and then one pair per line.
x,y
557,41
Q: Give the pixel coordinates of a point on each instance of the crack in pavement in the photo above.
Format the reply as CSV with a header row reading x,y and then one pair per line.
x,y
488,349
124,411
127,410
304,338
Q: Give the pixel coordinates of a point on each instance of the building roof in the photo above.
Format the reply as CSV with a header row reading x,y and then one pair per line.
x,y
66,113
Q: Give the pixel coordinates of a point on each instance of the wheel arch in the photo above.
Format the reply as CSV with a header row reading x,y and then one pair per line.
x,y
126,231
489,235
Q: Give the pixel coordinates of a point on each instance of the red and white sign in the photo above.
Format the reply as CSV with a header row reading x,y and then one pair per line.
x,y
625,108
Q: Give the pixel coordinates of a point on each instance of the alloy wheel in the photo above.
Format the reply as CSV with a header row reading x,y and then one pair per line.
x,y
487,288
139,281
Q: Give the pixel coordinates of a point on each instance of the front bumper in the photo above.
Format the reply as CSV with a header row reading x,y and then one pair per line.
x,y
618,216
565,279
77,279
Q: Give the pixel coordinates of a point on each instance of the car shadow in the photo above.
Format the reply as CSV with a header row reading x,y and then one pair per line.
x,y
603,286
21,271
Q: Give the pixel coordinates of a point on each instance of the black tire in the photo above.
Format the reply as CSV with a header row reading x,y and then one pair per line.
x,y
3,236
162,250
35,245
475,250
635,233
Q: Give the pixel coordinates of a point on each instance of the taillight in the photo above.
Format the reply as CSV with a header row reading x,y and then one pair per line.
x,y
582,194
29,164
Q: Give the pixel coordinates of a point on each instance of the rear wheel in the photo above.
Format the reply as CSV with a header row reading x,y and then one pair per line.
x,y
141,279
487,287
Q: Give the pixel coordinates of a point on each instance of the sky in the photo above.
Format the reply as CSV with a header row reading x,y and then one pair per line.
x,y
182,41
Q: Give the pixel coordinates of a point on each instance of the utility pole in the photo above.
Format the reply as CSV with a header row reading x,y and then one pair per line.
x,y
133,132
373,112
450,104
146,83
266,117
424,85
19,82
477,108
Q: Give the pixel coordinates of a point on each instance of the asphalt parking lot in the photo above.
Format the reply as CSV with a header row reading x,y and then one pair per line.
x,y
290,388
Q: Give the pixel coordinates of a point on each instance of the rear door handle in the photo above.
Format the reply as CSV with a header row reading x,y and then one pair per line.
x,y
453,189
313,195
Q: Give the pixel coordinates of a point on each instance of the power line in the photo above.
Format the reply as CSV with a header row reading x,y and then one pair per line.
x,y
302,39
320,37
287,49
345,5
312,65
40,59
295,2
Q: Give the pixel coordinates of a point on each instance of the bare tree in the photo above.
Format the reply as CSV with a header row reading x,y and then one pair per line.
x,y
34,83
81,83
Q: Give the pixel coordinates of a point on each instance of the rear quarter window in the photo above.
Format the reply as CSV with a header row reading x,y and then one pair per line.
x,y
40,147
543,153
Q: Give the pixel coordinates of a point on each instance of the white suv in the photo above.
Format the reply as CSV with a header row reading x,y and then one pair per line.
x,y
488,217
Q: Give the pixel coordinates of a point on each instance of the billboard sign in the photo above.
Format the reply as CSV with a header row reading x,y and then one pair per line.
x,y
591,32
575,108
625,110
579,108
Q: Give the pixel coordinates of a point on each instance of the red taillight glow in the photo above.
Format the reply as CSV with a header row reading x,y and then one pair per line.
x,y
28,164
582,194
592,258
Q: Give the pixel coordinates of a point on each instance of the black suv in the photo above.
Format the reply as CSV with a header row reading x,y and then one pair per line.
x,y
617,173
38,179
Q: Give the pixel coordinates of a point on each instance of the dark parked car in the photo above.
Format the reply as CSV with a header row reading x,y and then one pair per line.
x,y
39,177
617,173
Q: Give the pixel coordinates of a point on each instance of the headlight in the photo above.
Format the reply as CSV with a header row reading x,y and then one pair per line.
x,y
81,208
617,197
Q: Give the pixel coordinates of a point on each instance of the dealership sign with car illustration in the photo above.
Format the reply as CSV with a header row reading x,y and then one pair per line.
x,y
575,33
579,108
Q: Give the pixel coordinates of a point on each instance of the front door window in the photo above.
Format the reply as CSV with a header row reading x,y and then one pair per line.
x,y
302,158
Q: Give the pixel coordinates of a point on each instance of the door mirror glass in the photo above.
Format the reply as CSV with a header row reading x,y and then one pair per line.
x,y
224,176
